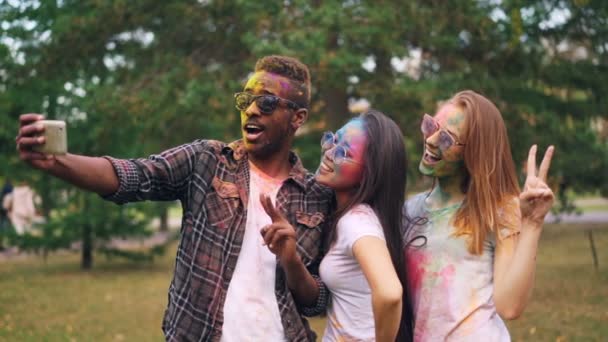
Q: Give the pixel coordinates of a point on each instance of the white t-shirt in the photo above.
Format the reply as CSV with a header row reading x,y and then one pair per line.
x,y
251,311
452,289
349,316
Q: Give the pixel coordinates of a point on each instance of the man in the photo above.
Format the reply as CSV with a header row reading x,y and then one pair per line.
x,y
227,286
21,207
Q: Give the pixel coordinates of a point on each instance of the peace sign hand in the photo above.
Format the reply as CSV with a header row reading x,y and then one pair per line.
x,y
536,199
280,236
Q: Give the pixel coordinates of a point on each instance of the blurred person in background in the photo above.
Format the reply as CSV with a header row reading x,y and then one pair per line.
x,y
20,205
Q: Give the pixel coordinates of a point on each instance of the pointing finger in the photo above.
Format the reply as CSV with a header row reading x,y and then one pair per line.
x,y
270,209
267,205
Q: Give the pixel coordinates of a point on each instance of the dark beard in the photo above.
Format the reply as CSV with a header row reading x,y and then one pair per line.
x,y
269,150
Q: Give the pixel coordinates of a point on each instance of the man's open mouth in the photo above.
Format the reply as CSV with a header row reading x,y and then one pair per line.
x,y
253,131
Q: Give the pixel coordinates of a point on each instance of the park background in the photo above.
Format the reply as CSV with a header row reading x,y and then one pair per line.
x,y
132,78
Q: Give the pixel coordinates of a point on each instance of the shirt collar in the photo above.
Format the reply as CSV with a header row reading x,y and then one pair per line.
x,y
297,174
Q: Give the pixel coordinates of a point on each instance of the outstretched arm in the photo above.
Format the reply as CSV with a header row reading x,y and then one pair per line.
x,y
161,177
90,173
515,258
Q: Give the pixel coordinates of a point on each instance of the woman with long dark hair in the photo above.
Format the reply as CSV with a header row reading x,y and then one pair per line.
x,y
471,248
365,164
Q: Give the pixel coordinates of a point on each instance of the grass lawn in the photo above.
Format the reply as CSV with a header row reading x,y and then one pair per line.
x,y
122,301
116,301
592,208
591,204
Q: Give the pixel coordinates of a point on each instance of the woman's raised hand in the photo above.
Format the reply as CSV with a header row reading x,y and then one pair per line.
x,y
536,198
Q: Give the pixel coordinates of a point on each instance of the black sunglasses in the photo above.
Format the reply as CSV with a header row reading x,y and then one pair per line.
x,y
266,103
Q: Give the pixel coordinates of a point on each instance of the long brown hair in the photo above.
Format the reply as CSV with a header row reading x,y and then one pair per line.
x,y
491,181
383,189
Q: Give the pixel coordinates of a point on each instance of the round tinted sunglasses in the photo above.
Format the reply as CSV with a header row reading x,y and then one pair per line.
x,y
429,126
266,103
339,154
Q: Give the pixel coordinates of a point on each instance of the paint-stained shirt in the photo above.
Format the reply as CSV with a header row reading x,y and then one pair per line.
x,y
452,289
211,179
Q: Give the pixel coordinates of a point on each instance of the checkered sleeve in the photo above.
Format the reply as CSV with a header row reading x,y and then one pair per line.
x,y
128,179
162,177
322,301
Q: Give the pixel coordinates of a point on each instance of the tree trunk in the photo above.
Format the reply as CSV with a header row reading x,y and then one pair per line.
x,y
46,193
87,247
336,107
163,216
383,81
334,93
47,200
596,264
87,238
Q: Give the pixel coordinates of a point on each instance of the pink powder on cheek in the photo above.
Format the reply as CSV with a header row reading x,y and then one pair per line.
x,y
348,172
358,151
357,145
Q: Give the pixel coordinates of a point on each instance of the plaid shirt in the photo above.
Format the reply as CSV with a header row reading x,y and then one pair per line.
x,y
211,179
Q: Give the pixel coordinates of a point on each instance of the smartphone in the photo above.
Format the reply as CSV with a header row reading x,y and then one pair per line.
x,y
56,138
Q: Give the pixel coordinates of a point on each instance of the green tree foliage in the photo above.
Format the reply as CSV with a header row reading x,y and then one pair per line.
x,y
136,77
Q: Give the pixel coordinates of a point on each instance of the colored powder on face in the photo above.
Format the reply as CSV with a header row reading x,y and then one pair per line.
x,y
352,137
285,86
256,83
276,84
449,114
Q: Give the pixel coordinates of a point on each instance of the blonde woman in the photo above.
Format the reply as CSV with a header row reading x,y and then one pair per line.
x,y
471,241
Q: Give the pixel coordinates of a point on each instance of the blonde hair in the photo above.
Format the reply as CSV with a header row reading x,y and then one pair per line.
x,y
491,182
